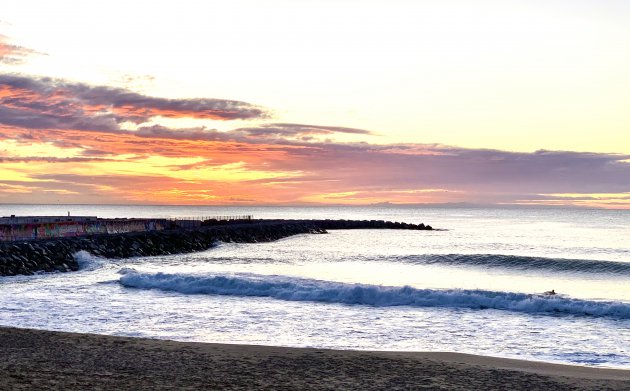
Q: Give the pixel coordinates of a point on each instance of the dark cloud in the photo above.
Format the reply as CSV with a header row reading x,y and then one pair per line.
x,y
265,133
195,134
362,166
284,130
45,103
13,112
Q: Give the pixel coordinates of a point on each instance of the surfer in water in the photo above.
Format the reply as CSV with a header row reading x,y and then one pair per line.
x,y
550,293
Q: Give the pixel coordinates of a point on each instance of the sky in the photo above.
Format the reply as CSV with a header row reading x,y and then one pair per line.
x,y
315,102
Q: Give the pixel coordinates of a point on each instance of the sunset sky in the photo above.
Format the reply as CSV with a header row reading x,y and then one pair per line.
x,y
310,102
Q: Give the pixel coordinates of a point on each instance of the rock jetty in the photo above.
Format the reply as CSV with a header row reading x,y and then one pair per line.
x,y
50,255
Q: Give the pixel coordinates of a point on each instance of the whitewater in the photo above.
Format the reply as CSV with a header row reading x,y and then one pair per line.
x,y
477,285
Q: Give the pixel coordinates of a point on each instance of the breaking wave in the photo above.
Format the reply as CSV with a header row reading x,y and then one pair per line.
x,y
87,261
298,289
519,262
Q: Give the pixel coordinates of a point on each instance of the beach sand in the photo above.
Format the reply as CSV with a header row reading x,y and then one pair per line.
x,y
34,359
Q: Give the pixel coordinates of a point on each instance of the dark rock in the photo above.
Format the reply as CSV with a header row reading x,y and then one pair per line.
x,y
58,254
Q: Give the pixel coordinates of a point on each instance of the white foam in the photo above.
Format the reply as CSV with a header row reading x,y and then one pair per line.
x,y
127,270
297,289
88,261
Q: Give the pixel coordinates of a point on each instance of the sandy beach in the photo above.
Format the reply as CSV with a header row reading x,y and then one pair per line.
x,y
34,359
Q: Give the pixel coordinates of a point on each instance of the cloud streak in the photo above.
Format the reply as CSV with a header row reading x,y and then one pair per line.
x,y
298,131
45,103
13,54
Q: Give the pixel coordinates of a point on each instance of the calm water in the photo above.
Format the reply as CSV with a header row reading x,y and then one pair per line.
x,y
474,287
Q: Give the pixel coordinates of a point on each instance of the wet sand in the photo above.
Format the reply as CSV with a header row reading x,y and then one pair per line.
x,y
33,359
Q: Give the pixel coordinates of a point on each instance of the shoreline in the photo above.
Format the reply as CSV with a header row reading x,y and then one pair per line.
x,y
39,359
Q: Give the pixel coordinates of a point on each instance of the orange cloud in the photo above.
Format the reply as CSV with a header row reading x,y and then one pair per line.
x,y
13,54
64,142
129,111
172,167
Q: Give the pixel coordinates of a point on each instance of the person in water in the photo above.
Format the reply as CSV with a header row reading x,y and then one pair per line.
x,y
550,293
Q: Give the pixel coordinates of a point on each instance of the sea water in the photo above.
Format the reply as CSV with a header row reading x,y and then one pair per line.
x,y
475,285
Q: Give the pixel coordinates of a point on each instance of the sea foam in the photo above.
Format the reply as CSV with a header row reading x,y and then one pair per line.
x,y
299,289
87,261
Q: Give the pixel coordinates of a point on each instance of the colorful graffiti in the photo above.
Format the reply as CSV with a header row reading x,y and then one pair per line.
x,y
11,232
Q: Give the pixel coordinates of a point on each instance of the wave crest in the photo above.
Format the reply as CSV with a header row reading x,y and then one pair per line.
x,y
87,261
297,289
519,262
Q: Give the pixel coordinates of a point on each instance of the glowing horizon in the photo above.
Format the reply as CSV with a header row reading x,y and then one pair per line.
x,y
496,102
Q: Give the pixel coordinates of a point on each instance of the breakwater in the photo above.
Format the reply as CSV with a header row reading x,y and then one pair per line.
x,y
46,227
22,228
49,255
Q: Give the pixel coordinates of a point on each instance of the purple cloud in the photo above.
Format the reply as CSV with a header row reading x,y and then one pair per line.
x,y
45,103
13,54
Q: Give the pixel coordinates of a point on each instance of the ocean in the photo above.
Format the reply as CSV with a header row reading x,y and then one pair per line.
x,y
473,285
